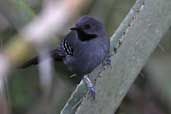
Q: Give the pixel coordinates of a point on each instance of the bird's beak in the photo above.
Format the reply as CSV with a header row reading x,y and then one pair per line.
x,y
74,28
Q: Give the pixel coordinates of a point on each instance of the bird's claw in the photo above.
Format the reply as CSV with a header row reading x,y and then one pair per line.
x,y
90,86
92,91
107,62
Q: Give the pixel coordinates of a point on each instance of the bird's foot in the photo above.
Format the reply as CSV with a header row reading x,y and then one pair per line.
x,y
107,62
90,86
92,91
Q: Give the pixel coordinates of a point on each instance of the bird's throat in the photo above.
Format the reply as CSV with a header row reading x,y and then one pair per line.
x,y
85,37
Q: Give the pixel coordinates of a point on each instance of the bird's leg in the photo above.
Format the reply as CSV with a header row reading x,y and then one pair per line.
x,y
90,86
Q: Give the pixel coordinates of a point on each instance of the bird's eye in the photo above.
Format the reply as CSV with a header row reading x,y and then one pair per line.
x,y
87,26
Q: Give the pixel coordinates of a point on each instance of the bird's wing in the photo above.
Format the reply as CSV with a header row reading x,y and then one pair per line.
x,y
68,44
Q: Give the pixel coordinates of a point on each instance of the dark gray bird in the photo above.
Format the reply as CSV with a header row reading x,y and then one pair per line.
x,y
83,49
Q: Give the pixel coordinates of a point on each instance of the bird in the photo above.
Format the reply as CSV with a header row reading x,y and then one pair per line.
x,y
82,50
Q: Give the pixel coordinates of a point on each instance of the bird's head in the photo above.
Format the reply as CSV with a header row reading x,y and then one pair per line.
x,y
88,28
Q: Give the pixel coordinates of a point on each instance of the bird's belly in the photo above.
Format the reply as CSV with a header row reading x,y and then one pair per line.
x,y
83,65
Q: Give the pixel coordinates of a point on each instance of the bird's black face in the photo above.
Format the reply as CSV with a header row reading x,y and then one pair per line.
x,y
88,28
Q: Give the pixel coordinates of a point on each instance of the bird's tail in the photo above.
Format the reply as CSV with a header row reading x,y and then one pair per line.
x,y
33,61
56,55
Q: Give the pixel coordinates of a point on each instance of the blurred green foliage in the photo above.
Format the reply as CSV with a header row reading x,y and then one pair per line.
x,y
24,89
